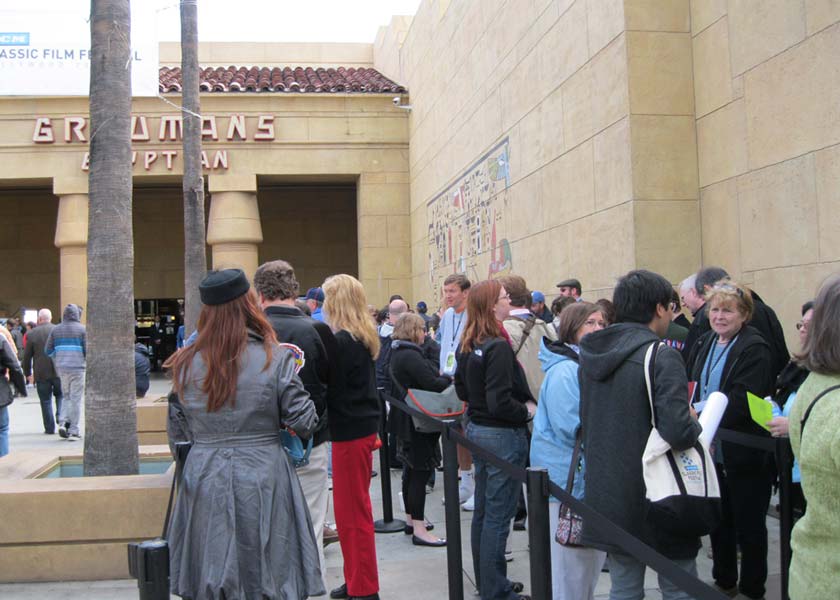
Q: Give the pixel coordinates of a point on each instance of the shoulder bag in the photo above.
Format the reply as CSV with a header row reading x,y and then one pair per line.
x,y
570,524
148,561
682,489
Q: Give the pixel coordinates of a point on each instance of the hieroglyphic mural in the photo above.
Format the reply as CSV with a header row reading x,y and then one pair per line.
x,y
466,221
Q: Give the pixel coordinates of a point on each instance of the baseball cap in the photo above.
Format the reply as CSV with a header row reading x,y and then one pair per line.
x,y
537,296
315,293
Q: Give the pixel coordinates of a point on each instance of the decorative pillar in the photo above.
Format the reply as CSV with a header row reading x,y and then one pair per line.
x,y
233,229
71,236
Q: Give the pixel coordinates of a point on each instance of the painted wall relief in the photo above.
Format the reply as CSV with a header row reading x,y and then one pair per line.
x,y
467,225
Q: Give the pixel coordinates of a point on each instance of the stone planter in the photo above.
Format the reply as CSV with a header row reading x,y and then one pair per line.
x,y
74,528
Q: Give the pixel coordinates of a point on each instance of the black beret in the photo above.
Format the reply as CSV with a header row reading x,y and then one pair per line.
x,y
220,287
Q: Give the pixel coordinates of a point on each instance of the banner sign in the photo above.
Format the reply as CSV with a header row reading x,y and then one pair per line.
x,y
45,48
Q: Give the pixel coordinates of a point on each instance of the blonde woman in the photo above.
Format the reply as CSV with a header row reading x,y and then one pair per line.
x,y
354,413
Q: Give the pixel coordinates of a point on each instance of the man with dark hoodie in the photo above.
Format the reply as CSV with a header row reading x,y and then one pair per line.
x,y
142,368
615,418
314,346
66,345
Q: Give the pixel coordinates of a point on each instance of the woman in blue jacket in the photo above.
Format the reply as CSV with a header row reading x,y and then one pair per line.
x,y
575,570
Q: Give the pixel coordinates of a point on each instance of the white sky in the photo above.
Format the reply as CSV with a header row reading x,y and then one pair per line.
x,y
283,20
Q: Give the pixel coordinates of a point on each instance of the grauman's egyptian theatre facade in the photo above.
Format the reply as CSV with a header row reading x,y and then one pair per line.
x,y
550,139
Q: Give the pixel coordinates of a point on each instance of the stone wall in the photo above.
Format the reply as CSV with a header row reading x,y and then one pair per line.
x,y
587,137
30,258
307,226
767,87
551,139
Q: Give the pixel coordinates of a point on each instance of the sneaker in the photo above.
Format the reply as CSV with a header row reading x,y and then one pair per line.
x,y
74,437
467,487
469,505
62,430
508,555
519,524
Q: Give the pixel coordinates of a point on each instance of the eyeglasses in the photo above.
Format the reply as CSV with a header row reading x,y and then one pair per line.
x,y
800,325
505,297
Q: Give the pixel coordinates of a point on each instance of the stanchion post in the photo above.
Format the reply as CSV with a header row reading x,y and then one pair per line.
x,y
785,456
454,562
539,536
387,524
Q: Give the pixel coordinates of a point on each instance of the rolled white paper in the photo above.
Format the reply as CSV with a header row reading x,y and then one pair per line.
x,y
711,416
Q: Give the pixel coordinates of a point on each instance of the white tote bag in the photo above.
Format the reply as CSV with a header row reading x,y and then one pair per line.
x,y
683,494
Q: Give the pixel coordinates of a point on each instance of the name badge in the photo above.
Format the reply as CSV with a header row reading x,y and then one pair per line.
x,y
449,363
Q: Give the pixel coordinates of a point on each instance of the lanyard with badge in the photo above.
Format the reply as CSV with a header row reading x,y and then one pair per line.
x,y
449,363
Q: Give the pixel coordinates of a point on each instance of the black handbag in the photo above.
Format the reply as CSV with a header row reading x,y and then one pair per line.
x,y
6,394
148,561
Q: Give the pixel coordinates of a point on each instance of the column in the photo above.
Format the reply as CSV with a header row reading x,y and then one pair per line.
x,y
71,239
234,230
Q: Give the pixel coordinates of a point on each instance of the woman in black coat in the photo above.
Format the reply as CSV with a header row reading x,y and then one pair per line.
x,y
419,452
735,359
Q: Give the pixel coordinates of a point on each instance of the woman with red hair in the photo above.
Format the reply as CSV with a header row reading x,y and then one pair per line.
x,y
240,528
499,406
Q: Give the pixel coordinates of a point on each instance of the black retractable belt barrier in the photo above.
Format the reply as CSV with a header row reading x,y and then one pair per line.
x,y
539,535
541,544
387,524
454,561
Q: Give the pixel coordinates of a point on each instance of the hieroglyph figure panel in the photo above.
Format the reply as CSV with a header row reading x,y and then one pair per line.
x,y
467,225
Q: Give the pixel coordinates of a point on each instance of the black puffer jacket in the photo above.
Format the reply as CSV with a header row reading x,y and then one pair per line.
x,y
615,418
748,368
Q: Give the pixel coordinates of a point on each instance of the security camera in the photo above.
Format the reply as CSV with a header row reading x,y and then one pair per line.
x,y
396,101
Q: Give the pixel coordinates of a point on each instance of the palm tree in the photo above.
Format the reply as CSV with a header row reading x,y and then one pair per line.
x,y
111,420
195,254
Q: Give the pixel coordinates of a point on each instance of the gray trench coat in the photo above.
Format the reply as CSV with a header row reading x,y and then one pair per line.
x,y
241,529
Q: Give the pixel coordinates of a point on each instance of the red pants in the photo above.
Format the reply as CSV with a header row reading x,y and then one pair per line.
x,y
352,465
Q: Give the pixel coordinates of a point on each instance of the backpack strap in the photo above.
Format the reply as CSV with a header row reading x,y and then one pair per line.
x,y
811,406
529,325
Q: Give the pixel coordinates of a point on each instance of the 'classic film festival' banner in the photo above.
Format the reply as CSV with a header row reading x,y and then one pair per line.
x,y
45,48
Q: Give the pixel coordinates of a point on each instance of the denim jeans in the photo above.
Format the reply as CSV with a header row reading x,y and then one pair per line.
x,y
628,578
4,431
495,505
46,390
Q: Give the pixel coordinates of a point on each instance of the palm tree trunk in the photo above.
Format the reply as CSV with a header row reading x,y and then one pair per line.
x,y
111,420
195,254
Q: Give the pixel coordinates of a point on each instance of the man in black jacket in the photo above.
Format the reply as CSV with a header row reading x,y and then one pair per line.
x,y
40,370
315,350
616,422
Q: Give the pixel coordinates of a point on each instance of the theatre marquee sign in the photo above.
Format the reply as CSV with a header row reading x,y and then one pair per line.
x,y
165,130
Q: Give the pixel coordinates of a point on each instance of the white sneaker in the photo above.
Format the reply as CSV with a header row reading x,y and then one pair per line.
x,y
466,487
469,505
508,555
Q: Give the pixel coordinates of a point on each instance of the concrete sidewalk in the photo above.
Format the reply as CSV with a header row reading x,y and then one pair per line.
x,y
406,572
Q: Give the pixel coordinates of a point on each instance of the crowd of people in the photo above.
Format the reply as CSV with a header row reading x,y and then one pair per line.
x,y
560,385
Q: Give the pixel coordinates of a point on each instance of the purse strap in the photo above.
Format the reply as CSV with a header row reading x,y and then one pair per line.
x,y
811,406
570,480
176,478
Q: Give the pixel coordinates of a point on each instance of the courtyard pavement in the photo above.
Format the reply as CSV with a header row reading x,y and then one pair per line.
x,y
406,572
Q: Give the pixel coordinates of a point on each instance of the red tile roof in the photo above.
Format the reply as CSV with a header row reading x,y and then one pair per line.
x,y
283,79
